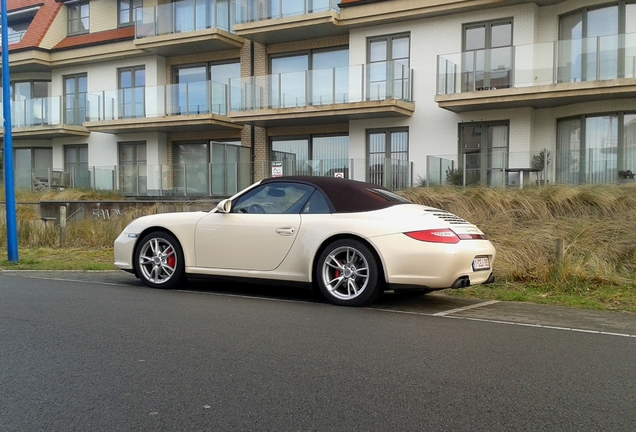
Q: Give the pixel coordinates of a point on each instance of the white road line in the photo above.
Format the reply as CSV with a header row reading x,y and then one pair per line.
x,y
439,314
461,309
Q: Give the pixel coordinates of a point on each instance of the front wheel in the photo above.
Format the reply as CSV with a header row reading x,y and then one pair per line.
x,y
347,274
159,260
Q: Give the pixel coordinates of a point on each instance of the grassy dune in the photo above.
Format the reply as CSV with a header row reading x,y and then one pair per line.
x,y
597,225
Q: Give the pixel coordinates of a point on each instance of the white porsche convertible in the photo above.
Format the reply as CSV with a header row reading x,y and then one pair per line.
x,y
349,239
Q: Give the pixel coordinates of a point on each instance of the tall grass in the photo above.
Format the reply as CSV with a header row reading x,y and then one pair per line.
x,y
597,225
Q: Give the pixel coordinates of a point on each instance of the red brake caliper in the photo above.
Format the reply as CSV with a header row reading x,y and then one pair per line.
x,y
171,259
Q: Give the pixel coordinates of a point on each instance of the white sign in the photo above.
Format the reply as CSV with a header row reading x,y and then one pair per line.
x,y
277,169
339,175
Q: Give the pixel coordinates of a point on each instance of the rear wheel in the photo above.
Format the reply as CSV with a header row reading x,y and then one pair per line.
x,y
159,260
347,273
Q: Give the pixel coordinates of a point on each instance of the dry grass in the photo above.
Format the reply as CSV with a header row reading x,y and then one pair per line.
x,y
597,225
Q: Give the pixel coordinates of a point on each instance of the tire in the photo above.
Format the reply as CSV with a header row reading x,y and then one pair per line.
x,y
159,260
347,274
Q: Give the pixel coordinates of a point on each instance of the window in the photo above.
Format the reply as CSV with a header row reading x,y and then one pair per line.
x,y
389,63
132,86
192,168
132,168
312,155
389,158
293,84
76,163
279,198
487,62
75,87
593,149
128,10
78,18
483,151
596,43
203,88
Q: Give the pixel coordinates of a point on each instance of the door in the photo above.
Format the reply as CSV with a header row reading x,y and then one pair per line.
x,y
487,62
75,88
132,85
76,163
483,151
258,233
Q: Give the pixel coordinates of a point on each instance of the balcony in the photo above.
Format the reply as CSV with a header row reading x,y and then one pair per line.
x,y
323,96
276,21
185,107
187,27
540,75
41,118
501,168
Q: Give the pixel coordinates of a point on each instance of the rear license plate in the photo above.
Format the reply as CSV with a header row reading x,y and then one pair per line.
x,y
481,263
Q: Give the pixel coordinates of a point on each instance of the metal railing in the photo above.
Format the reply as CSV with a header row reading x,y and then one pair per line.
x,y
251,11
184,16
368,82
566,61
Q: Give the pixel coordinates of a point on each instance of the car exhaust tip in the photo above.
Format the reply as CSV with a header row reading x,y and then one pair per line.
x,y
461,282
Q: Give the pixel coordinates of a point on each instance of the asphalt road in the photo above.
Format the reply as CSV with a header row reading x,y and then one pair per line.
x,y
98,351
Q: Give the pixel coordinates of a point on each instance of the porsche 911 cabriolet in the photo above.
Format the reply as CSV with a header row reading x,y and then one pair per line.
x,y
349,240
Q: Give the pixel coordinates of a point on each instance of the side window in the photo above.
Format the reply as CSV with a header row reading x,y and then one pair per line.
x,y
274,198
317,204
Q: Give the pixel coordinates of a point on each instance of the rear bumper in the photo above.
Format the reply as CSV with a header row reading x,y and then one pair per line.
x,y
409,262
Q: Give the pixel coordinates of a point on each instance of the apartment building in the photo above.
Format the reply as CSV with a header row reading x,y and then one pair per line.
x,y
202,97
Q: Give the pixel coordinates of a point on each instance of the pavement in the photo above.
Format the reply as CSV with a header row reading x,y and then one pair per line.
x,y
434,304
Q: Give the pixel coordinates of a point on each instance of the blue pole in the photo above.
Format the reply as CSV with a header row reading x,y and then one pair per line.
x,y
9,186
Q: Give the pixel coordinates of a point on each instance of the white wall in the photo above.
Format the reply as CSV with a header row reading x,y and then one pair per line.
x,y
434,131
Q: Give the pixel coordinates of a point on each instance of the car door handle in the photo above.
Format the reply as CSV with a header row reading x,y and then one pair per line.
x,y
286,231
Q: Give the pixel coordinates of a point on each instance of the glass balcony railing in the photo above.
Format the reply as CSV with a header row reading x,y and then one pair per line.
x,y
205,97
518,169
250,10
184,16
370,82
211,179
35,112
578,60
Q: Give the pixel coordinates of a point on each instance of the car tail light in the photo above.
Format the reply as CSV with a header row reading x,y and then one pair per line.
x,y
444,235
471,236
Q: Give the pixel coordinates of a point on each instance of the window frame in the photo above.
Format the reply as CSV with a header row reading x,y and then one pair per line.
x,y
75,21
132,12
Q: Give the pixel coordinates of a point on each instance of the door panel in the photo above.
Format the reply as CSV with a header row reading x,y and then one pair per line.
x,y
245,241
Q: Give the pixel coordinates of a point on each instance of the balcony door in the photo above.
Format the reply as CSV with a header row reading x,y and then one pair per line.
x,y
133,176
388,71
132,86
484,152
75,87
76,163
487,59
388,151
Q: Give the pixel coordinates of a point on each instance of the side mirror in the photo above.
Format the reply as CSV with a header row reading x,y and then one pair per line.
x,y
224,206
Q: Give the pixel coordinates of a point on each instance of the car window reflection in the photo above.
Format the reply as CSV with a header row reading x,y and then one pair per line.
x,y
276,198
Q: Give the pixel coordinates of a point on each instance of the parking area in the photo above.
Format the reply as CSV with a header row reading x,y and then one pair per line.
x,y
434,304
